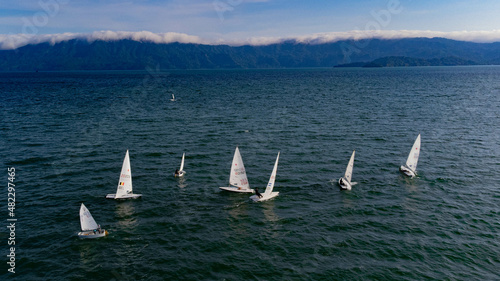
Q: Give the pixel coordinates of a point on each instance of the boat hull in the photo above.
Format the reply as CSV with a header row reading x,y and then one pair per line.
x,y
235,189
344,184
127,196
407,172
264,197
90,234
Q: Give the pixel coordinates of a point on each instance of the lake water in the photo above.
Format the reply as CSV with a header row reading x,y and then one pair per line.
x,y
66,135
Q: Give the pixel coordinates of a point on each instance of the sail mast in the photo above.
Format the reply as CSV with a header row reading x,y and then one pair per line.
x,y
412,160
350,166
182,162
125,181
87,222
272,179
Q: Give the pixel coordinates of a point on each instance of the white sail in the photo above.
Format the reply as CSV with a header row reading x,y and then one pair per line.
x,y
182,162
238,175
87,222
270,184
125,182
413,156
350,166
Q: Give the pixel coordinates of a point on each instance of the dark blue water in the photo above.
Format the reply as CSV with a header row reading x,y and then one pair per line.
x,y
66,135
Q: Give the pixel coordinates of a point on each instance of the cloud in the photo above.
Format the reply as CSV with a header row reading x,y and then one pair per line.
x,y
14,41
471,36
144,36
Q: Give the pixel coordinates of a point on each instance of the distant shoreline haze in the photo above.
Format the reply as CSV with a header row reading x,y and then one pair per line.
x,y
78,54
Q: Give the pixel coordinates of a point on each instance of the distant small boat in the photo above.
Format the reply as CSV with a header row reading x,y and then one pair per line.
x,y
268,194
90,229
410,169
238,181
345,181
173,98
180,172
124,189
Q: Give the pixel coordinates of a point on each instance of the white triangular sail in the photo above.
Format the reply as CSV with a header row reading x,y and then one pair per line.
x,y
87,222
238,175
125,182
182,162
270,184
413,156
350,166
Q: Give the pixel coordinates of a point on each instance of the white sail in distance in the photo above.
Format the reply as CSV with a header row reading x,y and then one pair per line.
x,y
238,175
125,181
87,222
270,184
412,160
350,166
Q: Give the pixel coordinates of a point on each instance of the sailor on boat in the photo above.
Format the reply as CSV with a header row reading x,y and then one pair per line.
x,y
344,184
258,193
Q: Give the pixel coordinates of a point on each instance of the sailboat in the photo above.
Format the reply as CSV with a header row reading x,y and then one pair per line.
x,y
89,227
410,168
268,194
345,181
238,181
173,98
124,189
180,172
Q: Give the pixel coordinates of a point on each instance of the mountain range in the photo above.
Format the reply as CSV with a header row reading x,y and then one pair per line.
x,y
78,54
401,61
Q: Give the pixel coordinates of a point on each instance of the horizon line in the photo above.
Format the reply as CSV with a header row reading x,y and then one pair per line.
x,y
15,41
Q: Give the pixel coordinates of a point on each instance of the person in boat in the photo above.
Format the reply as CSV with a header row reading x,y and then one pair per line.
x,y
99,229
341,181
176,172
95,231
258,193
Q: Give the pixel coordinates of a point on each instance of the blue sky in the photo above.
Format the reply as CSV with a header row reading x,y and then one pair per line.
x,y
233,20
